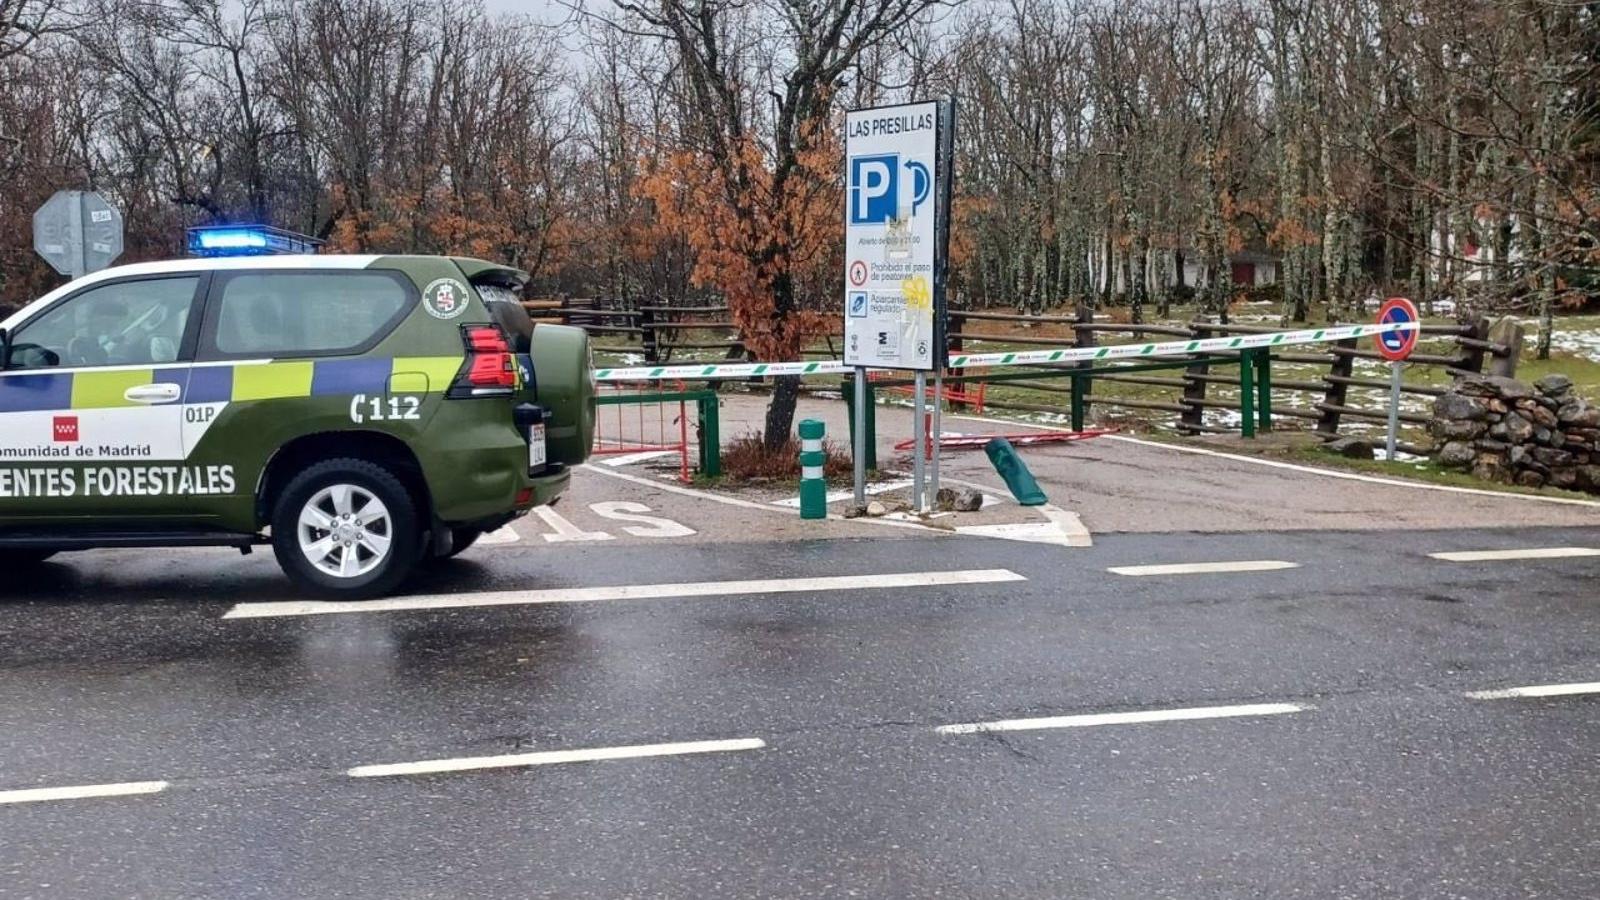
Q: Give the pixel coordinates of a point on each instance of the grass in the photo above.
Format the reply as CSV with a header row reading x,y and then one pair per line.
x,y
1584,372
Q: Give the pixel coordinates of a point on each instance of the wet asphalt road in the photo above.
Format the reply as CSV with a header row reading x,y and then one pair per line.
x,y
1389,781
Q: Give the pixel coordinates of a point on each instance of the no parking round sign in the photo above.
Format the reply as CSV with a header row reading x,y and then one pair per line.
x,y
1397,345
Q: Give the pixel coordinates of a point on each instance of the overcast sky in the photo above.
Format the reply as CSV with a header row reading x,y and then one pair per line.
x,y
545,10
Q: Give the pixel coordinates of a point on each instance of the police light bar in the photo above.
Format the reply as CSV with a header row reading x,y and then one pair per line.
x,y
248,240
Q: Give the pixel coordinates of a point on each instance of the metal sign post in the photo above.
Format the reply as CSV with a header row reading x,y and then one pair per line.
x,y
941,278
858,453
919,437
1395,346
1394,408
934,439
77,232
897,229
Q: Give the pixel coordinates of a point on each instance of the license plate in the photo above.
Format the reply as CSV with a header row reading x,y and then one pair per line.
x,y
536,452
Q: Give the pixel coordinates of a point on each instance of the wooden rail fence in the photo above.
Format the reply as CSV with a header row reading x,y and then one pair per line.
x,y
1324,403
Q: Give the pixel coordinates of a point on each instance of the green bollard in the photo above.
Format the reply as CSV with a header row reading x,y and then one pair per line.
x,y
813,486
1009,464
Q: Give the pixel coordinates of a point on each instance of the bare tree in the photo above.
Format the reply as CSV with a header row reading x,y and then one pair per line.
x,y
760,82
1441,148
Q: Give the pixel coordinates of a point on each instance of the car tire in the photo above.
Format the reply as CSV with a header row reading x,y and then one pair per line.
x,y
23,558
346,529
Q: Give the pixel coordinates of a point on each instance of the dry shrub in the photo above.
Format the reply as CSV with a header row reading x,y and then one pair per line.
x,y
747,458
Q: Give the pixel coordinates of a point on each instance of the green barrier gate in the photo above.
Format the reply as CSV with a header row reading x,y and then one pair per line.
x,y
708,426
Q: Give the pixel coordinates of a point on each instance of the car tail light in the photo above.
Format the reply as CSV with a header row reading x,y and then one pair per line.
x,y
491,368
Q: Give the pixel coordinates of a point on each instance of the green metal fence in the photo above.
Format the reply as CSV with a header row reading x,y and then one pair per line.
x,y
1255,389
708,427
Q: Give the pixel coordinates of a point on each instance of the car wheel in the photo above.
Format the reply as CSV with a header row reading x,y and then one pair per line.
x,y
346,528
20,558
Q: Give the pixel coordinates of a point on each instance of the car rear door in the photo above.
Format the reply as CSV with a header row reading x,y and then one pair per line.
x,y
286,354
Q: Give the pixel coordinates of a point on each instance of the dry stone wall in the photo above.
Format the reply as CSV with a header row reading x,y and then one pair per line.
x,y
1501,429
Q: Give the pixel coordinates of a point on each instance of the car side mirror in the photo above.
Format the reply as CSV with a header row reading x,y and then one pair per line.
x,y
28,356
5,349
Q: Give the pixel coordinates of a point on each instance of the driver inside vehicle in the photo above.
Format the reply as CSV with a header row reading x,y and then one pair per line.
x,y
137,323
102,341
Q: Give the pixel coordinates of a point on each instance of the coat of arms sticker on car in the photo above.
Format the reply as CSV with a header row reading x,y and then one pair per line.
x,y
445,298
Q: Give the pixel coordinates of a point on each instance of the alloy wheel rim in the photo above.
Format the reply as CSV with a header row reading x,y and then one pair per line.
x,y
345,531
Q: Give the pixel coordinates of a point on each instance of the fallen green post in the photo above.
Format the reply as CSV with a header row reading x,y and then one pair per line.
x,y
1009,464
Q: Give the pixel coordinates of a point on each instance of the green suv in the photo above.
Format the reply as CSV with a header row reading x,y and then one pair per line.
x,y
361,413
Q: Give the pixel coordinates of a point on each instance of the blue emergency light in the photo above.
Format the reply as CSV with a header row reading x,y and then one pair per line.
x,y
248,240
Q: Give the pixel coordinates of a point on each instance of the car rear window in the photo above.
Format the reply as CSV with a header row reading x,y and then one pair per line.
x,y
311,313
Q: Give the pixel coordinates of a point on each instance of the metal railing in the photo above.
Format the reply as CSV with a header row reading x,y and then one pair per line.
x,y
659,423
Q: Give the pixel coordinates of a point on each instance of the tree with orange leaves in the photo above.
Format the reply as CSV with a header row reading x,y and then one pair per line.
x,y
780,232
753,171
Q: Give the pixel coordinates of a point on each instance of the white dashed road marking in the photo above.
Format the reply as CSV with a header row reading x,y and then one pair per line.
x,y
83,792
1210,568
1538,690
554,757
1125,718
1527,553
625,592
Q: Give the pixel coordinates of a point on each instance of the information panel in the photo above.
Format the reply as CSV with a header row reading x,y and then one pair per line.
x,y
896,230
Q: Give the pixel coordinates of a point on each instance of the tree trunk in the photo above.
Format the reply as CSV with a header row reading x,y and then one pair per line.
x,y
1421,224
1138,276
1543,258
1454,226
1333,232
1107,270
780,411
1163,283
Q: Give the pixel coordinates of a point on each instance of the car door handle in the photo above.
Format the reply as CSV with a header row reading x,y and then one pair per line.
x,y
152,394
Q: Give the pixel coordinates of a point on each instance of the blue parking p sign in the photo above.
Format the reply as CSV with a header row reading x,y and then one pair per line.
x,y
874,188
